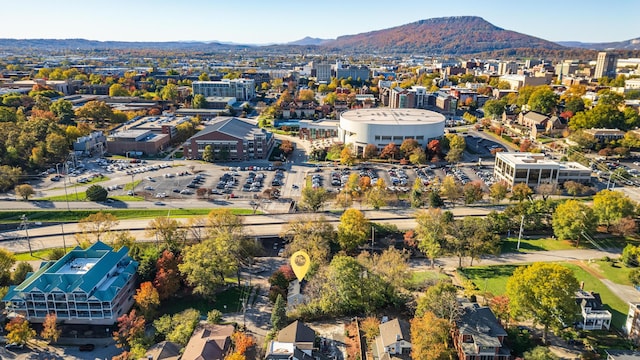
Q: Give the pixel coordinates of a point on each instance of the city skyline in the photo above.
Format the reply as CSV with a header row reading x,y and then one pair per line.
x,y
282,21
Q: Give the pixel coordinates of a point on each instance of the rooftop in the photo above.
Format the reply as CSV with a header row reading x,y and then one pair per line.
x,y
385,116
527,158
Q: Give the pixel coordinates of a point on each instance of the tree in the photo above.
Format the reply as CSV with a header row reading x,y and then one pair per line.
x,y
498,191
575,188
279,315
118,90
313,199
377,195
521,192
63,109
97,111
454,155
7,260
179,327
19,331
204,271
370,151
408,146
430,338
286,147
571,218
96,193
440,299
500,307
147,299
543,100
167,280
472,192
130,330
431,227
494,108
353,230
346,155
540,353
50,329
21,272
313,235
208,155
610,206
390,151
98,224
25,191
214,316
9,176
391,266
418,157
544,293
199,102
242,342
169,92
451,189
167,230
370,326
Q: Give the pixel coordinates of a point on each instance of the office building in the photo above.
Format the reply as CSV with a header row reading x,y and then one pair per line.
x,y
606,65
241,89
534,169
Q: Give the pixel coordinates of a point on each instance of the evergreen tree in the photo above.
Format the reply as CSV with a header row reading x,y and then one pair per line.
x,y
279,314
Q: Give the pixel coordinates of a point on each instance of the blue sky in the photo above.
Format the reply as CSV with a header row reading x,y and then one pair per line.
x,y
279,21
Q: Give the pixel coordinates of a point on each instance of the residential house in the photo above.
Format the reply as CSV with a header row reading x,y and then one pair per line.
x,y
394,341
538,123
622,354
478,335
231,139
594,315
165,350
294,342
632,325
210,342
86,286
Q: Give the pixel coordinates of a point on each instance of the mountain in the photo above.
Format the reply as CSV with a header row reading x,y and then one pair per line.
x,y
633,44
309,41
82,44
449,35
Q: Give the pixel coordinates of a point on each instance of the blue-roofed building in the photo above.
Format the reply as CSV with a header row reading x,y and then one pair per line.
x,y
86,286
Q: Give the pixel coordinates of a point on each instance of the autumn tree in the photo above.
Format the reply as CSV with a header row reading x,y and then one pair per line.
x,y
208,154
431,228
286,147
98,225
314,235
147,299
205,266
21,272
571,218
377,195
370,326
97,111
440,299
540,353
543,100
167,280
500,307
25,191
130,330
50,329
472,192
391,266
418,157
610,206
179,327
242,342
167,230
521,192
498,191
19,331
451,189
346,155
430,338
543,293
353,230
408,146
391,151
370,151
199,102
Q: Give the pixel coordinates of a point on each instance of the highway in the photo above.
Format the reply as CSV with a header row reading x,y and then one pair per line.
x,y
51,236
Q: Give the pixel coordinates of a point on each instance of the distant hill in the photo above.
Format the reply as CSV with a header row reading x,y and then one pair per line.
x,y
633,44
309,41
449,35
82,44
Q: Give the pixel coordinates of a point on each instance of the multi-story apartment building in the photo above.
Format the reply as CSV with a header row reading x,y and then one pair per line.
x,y
606,65
86,286
241,89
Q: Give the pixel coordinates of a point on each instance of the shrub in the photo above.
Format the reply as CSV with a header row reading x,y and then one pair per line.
x,y
55,254
214,316
96,193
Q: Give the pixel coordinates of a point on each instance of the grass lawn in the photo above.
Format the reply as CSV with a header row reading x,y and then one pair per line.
x,y
419,278
543,244
122,214
132,185
494,280
72,196
37,255
231,297
125,198
612,270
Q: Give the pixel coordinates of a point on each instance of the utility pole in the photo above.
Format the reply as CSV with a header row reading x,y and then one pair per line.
x,y
520,234
373,235
24,224
64,242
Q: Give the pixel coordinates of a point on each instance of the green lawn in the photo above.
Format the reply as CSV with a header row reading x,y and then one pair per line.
x,y
231,297
612,270
420,278
544,244
493,279
38,254
71,196
132,185
122,214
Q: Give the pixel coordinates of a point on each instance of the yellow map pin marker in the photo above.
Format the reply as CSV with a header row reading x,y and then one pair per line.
x,y
300,263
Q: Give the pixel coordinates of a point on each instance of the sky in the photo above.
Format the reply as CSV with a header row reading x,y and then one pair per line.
x,y
281,21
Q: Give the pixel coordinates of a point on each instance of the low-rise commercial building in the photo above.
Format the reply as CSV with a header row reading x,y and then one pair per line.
x,y
86,286
231,139
535,169
136,142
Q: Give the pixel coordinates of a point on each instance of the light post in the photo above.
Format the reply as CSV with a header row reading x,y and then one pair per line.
x,y
520,233
24,224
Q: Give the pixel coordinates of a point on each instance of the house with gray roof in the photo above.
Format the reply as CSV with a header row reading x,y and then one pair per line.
x,y
232,139
86,286
479,335
394,341
594,315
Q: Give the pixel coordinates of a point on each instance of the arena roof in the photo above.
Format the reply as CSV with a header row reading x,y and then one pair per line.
x,y
393,116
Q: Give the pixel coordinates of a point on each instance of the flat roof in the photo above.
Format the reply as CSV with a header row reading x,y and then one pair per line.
x,y
527,158
386,116
77,266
